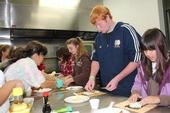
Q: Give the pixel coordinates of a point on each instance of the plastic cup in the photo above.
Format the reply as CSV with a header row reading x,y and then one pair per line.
x,y
59,83
94,103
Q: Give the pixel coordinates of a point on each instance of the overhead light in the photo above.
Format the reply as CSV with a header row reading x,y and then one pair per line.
x,y
68,4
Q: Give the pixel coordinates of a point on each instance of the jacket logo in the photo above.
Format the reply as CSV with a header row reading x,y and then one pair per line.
x,y
117,44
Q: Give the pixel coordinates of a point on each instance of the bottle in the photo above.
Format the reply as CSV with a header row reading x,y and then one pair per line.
x,y
17,94
18,105
46,106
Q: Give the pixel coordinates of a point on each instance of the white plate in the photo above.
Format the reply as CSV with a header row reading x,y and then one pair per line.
x,y
74,88
43,90
111,110
76,99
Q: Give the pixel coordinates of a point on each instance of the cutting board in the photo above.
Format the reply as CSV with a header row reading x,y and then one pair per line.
x,y
144,109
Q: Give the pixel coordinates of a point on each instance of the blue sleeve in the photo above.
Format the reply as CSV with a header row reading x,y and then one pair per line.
x,y
132,45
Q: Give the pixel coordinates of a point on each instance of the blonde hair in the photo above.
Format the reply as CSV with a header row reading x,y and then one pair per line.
x,y
78,42
99,12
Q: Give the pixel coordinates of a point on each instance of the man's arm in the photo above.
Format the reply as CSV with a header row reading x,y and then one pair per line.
x,y
94,69
127,70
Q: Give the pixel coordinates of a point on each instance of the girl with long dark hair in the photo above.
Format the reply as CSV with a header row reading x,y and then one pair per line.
x,y
152,82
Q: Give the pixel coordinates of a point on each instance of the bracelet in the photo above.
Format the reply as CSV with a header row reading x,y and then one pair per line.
x,y
92,77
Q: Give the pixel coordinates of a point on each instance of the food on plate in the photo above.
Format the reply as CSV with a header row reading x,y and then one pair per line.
x,y
74,88
87,93
53,73
135,105
20,108
90,93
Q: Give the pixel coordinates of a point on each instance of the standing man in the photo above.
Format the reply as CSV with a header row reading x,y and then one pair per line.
x,y
116,53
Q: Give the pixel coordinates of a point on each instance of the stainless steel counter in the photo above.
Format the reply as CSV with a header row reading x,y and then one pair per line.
x,y
56,101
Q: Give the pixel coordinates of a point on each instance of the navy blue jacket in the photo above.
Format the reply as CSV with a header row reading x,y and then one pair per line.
x,y
114,51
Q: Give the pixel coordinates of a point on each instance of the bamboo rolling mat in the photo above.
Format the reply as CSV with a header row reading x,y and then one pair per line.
x,y
144,109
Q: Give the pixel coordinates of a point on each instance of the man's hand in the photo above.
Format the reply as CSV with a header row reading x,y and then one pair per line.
x,y
90,85
112,85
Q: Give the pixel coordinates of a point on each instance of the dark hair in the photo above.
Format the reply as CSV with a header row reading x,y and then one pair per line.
x,y
154,39
78,42
63,52
18,53
5,47
35,47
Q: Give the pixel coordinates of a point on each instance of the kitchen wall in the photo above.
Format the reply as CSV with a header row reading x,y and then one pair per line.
x,y
39,14
142,14
47,14
4,36
166,6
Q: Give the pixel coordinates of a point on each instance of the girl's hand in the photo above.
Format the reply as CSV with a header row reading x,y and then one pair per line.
x,y
134,97
68,80
150,100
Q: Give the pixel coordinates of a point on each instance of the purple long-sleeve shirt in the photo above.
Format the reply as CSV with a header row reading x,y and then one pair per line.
x,y
141,85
